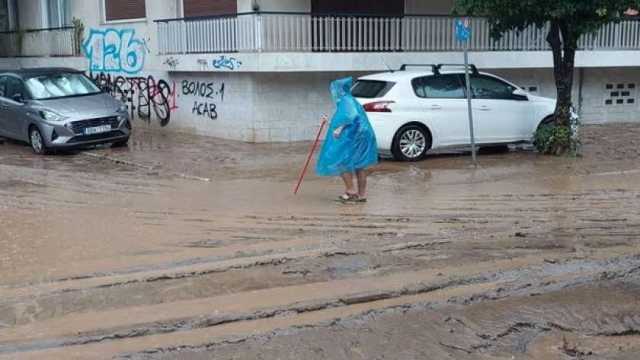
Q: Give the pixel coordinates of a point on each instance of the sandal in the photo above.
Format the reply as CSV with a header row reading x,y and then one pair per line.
x,y
347,198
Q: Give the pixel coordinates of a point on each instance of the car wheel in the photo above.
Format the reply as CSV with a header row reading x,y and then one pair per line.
x,y
411,143
37,141
119,144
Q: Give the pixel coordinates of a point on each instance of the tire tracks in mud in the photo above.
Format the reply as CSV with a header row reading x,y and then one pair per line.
x,y
232,277
473,290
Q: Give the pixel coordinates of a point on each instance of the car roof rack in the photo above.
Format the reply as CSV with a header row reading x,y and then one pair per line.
x,y
433,67
472,67
436,68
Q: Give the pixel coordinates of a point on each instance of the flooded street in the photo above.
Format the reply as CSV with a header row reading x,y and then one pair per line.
x,y
185,247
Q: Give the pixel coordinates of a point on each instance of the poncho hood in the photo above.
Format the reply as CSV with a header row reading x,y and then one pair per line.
x,y
341,88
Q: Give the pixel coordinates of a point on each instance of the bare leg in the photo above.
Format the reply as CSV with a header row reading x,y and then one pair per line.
x,y
362,183
348,183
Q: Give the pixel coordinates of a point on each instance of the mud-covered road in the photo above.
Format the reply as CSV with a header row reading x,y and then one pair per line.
x,y
183,247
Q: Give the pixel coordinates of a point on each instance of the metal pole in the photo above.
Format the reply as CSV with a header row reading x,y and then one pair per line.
x,y
468,81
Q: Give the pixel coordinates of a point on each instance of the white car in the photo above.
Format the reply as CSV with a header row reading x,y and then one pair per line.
x,y
413,112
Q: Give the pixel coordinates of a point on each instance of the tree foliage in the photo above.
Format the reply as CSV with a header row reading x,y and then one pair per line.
x,y
579,16
568,20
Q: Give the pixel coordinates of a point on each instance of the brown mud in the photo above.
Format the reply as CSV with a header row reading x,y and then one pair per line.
x,y
183,247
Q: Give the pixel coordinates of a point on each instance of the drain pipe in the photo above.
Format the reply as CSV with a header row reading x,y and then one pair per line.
x,y
580,86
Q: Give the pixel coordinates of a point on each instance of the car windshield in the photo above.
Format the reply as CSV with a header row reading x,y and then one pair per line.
x,y
60,85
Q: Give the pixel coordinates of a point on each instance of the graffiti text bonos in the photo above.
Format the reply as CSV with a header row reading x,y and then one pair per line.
x,y
207,94
207,90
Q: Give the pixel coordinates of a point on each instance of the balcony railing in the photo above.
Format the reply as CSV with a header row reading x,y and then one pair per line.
x,y
295,32
39,43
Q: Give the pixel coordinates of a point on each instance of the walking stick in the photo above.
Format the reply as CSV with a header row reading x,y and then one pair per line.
x,y
313,149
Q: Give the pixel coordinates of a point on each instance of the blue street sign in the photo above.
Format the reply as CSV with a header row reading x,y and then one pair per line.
x,y
463,29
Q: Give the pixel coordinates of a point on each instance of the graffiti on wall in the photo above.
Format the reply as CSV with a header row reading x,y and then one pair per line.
x,y
143,95
115,50
171,62
228,63
207,95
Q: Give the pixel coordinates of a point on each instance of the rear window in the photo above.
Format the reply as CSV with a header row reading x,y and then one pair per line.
x,y
371,88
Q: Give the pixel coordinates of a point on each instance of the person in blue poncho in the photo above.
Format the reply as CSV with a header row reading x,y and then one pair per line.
x,y
350,145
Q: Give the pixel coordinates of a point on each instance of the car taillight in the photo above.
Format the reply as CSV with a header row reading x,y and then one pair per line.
x,y
378,106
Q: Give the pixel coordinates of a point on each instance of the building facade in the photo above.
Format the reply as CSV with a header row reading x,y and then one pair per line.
x,y
259,70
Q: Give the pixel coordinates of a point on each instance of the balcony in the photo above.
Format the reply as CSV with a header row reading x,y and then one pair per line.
x,y
269,32
39,43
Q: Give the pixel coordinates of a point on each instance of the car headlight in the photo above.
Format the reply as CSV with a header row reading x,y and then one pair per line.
x,y
51,116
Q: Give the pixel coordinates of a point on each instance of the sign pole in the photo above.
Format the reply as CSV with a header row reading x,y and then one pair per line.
x,y
463,33
468,81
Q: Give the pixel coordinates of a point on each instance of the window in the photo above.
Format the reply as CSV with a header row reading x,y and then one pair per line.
x,y
7,15
448,86
59,13
124,10
620,94
60,86
209,8
10,86
371,89
486,87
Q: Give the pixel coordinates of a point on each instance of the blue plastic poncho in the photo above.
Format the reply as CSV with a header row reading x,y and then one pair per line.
x,y
355,148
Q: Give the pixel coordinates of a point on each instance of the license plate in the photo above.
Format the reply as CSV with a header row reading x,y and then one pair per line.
x,y
97,129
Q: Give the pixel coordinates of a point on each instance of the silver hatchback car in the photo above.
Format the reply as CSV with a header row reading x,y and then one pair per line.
x,y
58,108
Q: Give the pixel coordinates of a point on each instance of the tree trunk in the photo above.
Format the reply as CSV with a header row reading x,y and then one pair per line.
x,y
564,43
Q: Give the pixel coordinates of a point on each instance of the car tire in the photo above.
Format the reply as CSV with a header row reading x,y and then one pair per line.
x,y
120,144
36,140
411,143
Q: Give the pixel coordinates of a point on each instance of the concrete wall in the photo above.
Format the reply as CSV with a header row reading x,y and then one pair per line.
x,y
435,7
31,14
593,100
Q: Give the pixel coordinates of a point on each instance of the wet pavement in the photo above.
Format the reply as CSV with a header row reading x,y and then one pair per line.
x,y
185,247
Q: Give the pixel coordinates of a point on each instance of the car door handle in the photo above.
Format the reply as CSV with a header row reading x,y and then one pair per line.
x,y
436,107
484,108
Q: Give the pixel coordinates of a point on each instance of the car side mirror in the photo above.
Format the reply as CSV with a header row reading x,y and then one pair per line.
x,y
18,97
520,94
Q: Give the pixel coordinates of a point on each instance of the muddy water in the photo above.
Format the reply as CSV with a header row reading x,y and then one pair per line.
x,y
178,222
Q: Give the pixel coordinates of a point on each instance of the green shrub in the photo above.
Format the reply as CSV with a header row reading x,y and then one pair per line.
x,y
551,139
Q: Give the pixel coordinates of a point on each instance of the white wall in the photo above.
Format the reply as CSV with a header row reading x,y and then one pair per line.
x,y
593,106
595,95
